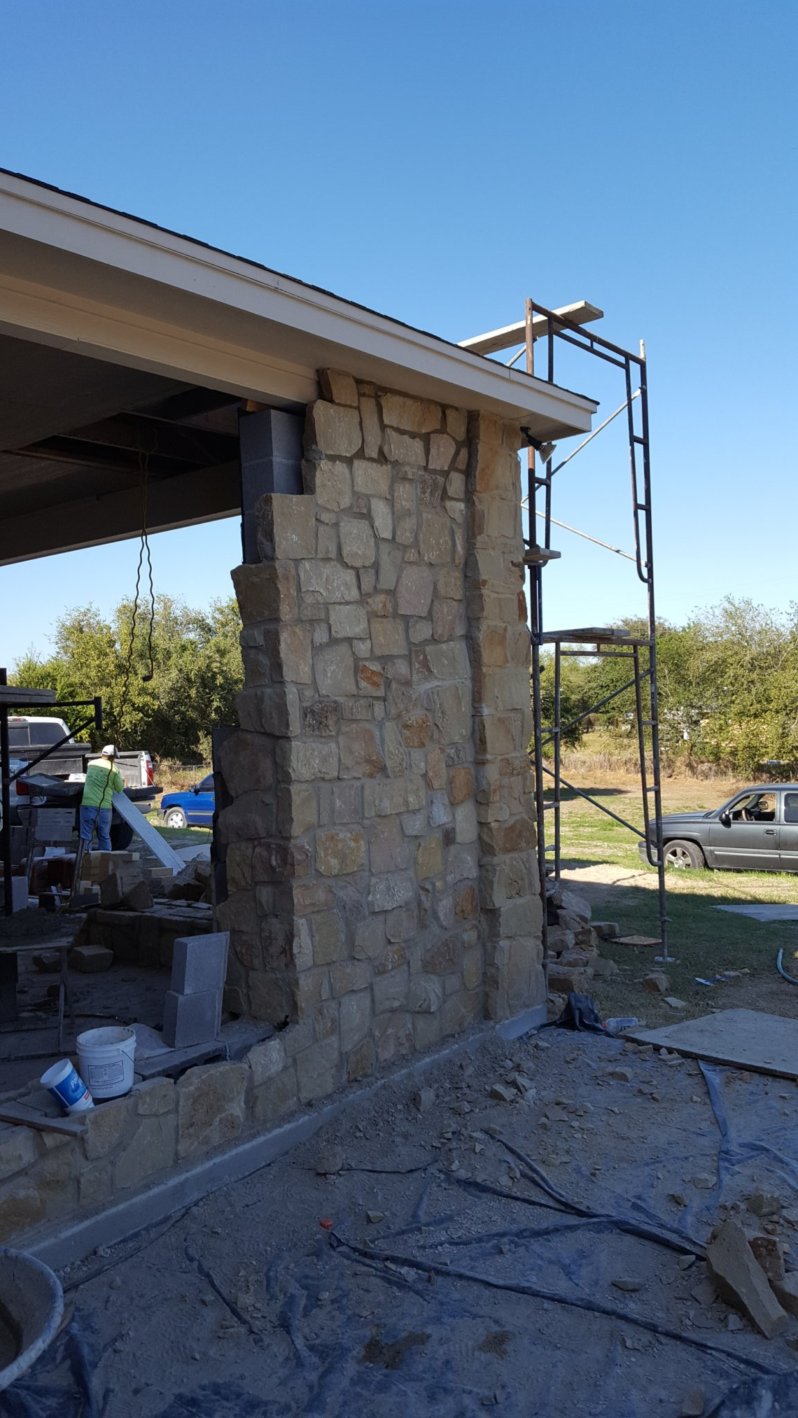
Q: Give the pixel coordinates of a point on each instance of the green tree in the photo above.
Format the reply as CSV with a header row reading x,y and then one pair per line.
x,y
194,661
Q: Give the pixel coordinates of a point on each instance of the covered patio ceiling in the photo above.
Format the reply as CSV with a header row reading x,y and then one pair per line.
x,y
127,351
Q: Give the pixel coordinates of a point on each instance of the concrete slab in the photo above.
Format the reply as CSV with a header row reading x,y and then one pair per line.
x,y
742,1038
764,911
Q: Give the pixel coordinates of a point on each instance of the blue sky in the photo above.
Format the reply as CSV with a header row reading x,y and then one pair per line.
x,y
440,160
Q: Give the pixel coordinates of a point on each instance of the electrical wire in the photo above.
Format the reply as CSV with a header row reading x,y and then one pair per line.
x,y
145,557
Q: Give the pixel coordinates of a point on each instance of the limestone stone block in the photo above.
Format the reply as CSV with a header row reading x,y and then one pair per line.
x,y
456,424
328,934
341,852
294,652
333,583
338,388
96,1184
286,527
416,727
348,622
319,1069
333,429
358,544
391,990
349,976
435,538
412,415
450,706
393,1036
106,1125
210,1106
275,1097
153,1096
425,994
361,1062
426,1031
320,718
442,449
247,762
440,811
382,518
360,753
472,965
389,564
441,956
347,802
273,711
465,822
21,1207
369,938
388,636
386,892
372,428
388,849
265,591
448,660
304,762
461,783
429,856
466,901
461,1011
395,752
17,1150
371,479
151,1150
448,620
414,590
335,669
402,923
401,448
355,1019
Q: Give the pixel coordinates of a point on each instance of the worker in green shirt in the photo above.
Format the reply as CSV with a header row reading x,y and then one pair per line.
x,y
102,781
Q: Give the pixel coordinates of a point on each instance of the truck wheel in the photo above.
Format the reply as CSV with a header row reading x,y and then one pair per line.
x,y
684,855
174,817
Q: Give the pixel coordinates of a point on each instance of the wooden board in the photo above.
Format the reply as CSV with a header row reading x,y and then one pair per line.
x,y
157,844
43,1122
741,1038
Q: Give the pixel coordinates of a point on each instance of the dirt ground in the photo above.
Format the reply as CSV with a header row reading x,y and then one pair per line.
x,y
438,1250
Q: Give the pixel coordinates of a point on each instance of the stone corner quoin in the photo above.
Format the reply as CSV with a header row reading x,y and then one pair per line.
x,y
379,838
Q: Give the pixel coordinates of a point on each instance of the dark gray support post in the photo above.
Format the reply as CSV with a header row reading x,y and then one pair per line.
x,y
270,443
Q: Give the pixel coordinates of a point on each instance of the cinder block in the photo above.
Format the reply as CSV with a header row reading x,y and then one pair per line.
x,y
199,963
191,1019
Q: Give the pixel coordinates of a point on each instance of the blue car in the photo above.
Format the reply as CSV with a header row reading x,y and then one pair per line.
x,y
191,808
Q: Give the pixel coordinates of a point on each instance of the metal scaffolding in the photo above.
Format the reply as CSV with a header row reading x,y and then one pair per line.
x,y
641,651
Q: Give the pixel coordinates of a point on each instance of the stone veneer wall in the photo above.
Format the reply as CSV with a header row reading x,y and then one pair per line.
x,y
382,883
378,849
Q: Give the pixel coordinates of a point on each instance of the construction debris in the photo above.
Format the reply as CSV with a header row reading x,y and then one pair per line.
x,y
742,1281
656,982
90,959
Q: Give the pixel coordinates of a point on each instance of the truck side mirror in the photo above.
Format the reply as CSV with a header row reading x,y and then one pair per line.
x,y
725,818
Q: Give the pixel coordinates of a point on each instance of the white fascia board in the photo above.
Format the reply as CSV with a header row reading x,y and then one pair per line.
x,y
257,314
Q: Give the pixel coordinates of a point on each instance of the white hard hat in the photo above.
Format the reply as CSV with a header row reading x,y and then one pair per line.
x,y
109,751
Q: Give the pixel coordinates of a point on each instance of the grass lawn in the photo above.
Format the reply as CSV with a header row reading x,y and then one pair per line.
x,y
703,940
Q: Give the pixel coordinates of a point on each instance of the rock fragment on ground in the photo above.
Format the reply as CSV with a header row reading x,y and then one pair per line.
x,y
742,1281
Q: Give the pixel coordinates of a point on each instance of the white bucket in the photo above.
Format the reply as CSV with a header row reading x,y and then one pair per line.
x,y
106,1060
